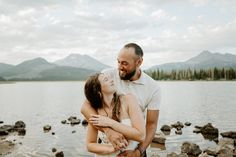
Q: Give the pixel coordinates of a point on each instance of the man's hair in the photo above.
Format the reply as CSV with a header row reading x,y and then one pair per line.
x,y
137,48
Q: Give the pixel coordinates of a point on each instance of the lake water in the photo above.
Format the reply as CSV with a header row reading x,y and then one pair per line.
x,y
41,103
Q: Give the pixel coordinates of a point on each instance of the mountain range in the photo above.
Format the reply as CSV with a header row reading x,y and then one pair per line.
x,y
79,67
204,60
72,67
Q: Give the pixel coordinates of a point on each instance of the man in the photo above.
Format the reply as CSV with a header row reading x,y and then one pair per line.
x,y
130,79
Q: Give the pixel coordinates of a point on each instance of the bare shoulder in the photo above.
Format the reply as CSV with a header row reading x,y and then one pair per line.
x,y
129,97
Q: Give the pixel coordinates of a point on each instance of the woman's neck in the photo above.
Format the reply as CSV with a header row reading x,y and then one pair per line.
x,y
108,100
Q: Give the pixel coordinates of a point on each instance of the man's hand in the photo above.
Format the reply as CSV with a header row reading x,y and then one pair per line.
x,y
129,153
117,140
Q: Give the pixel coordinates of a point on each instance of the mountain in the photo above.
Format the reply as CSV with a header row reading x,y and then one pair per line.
x,y
27,69
81,61
4,67
204,60
40,69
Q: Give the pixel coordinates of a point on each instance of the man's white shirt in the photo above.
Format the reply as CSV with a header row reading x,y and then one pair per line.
x,y
145,89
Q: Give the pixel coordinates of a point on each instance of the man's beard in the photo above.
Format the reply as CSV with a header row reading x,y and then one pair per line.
x,y
128,76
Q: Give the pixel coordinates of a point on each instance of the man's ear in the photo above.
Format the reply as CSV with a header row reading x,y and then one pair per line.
x,y
139,61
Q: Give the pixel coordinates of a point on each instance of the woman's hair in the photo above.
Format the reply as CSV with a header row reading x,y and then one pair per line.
x,y
93,93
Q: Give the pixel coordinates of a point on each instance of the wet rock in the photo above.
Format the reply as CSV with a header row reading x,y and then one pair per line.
x,y
54,150
21,131
47,128
165,128
1,122
159,138
190,149
178,132
209,129
173,154
187,123
84,122
204,155
72,117
73,131
177,125
155,155
75,121
226,147
53,133
198,127
197,131
19,124
3,132
211,151
6,147
63,121
229,134
59,154
8,128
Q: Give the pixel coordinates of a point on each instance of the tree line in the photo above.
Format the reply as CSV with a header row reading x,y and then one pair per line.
x,y
193,74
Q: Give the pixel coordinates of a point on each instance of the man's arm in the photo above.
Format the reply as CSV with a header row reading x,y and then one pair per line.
x,y
151,126
117,139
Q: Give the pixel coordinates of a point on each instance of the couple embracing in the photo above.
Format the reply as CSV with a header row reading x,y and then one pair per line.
x,y
122,107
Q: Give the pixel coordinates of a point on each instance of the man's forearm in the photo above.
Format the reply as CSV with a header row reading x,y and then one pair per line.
x,y
150,133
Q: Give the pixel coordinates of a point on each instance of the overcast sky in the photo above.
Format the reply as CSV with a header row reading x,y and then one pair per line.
x,y
167,30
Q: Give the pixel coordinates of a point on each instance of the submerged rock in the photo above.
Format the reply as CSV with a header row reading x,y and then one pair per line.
x,y
165,128
47,128
159,138
84,122
229,134
59,154
190,149
187,123
177,125
6,147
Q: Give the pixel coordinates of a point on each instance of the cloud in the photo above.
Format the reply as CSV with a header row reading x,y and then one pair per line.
x,y
167,30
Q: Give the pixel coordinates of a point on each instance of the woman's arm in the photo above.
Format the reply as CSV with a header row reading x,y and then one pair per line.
x,y
95,147
136,132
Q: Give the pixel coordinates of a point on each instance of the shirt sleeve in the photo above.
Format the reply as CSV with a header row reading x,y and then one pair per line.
x,y
155,100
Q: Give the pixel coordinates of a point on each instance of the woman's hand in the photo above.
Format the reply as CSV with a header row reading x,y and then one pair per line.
x,y
98,120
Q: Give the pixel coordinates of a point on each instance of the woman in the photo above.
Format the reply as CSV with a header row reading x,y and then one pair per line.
x,y
119,112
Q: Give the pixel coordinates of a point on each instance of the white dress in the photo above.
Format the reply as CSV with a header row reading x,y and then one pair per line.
x,y
132,144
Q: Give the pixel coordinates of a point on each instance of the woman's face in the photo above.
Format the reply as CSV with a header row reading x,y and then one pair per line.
x,y
107,83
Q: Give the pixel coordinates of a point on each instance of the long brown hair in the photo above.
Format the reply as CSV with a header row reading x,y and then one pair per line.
x,y
93,93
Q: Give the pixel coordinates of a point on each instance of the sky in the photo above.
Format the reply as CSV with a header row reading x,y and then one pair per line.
x,y
167,30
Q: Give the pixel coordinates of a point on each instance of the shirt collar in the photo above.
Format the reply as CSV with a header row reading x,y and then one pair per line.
x,y
141,79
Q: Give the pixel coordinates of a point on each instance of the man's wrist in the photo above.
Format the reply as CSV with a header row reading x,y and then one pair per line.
x,y
140,150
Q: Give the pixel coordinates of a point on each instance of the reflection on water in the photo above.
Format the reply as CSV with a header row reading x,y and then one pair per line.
x,y
41,103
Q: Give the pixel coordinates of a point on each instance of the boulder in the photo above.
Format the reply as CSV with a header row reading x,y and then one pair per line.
x,y
75,121
173,154
59,154
1,122
84,122
197,131
178,132
187,123
72,117
211,151
19,124
165,128
177,125
229,134
209,129
63,121
54,150
190,149
159,138
47,128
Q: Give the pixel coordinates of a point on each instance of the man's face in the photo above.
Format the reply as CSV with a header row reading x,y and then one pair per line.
x,y
127,63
